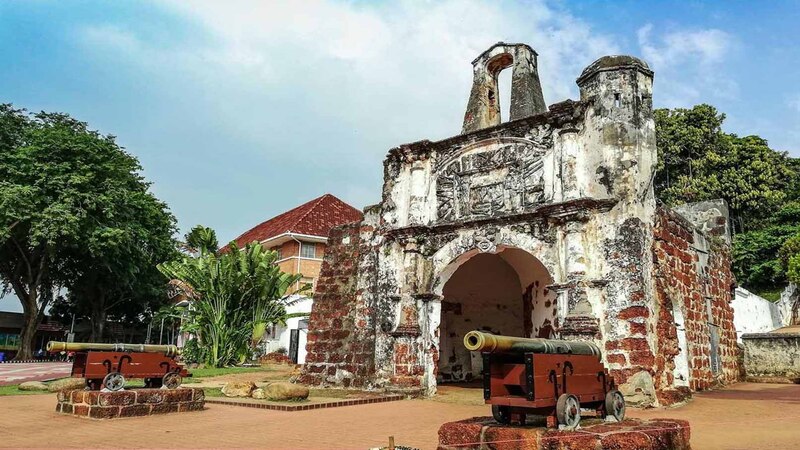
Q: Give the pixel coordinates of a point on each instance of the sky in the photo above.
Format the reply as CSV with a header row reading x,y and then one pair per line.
x,y
240,110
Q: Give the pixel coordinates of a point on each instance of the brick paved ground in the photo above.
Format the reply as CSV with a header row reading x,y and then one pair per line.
x,y
16,373
747,416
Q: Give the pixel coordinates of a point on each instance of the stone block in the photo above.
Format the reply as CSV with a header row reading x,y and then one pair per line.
x,y
32,386
150,396
481,433
238,389
129,403
120,398
91,397
65,408
190,406
76,396
105,412
178,395
454,432
67,384
135,410
164,408
80,410
285,391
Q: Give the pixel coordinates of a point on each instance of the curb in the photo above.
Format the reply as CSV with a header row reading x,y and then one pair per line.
x,y
350,402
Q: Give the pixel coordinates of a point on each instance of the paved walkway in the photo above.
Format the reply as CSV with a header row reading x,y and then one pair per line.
x,y
746,416
16,373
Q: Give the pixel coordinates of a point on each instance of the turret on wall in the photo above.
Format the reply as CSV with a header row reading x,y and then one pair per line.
x,y
620,140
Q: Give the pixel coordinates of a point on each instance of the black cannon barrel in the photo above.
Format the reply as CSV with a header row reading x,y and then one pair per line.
x,y
57,346
477,341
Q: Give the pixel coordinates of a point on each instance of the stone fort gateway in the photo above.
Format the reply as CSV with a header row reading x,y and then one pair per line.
x,y
542,226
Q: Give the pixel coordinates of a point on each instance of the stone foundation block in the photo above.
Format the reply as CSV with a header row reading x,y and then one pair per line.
x,y
129,403
480,433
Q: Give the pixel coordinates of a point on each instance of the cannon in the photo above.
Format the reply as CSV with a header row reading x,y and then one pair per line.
x,y
546,377
106,366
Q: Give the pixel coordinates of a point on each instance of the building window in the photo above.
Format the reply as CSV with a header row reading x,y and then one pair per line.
x,y
308,250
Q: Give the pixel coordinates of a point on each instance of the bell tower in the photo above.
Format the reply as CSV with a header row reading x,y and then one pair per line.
x,y
483,108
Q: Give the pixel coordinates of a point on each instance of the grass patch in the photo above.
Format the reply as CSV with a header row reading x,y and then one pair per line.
x,y
213,392
14,390
217,371
332,393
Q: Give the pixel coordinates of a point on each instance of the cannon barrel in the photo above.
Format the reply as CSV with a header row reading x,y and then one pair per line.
x,y
57,346
477,341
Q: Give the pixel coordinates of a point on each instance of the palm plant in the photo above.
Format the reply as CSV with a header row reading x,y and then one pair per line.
x,y
237,294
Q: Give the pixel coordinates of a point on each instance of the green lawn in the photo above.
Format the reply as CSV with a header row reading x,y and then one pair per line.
x,y
13,390
137,383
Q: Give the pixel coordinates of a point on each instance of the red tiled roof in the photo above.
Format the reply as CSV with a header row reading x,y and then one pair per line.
x,y
315,218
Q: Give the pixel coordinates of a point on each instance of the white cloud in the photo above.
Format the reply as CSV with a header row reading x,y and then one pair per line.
x,y
399,67
689,64
336,84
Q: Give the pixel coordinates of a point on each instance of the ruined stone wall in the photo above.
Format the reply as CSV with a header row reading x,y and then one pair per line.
x,y
629,350
341,342
694,287
772,357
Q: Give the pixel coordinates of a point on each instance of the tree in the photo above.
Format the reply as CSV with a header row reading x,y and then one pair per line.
x,y
698,161
76,216
201,240
236,294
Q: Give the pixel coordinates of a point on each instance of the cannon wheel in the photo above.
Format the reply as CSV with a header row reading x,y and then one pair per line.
x,y
171,380
502,414
114,381
615,405
568,411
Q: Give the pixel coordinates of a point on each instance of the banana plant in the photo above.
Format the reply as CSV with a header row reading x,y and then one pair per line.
x,y
237,294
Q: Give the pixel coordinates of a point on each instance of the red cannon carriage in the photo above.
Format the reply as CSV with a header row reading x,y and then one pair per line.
x,y
106,366
545,377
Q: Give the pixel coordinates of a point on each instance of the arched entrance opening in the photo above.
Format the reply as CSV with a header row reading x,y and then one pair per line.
x,y
503,293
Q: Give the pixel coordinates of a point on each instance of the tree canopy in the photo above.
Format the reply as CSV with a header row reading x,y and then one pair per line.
x,y
698,161
76,217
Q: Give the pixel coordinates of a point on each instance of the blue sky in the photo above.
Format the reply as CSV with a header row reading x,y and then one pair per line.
x,y
239,110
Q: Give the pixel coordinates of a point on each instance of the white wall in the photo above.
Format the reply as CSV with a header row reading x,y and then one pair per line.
x,y
283,333
789,297
753,314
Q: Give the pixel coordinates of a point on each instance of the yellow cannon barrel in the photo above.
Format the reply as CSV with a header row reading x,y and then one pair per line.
x,y
57,346
477,341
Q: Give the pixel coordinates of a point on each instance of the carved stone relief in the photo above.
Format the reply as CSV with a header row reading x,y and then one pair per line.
x,y
490,180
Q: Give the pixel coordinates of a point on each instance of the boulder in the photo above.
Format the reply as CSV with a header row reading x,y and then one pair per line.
x,y
32,386
258,393
66,384
639,390
238,389
280,390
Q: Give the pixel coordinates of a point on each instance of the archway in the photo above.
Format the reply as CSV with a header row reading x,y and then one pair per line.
x,y
503,293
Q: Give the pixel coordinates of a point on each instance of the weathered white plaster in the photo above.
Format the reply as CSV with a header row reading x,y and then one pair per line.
x,y
753,314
